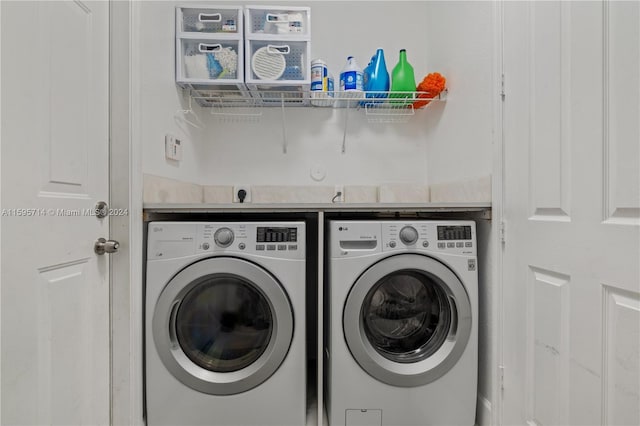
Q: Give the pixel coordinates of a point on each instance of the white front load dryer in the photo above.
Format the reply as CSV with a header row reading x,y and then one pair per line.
x,y
225,323
401,343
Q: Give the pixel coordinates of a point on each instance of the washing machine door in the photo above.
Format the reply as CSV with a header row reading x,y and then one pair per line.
x,y
407,320
223,325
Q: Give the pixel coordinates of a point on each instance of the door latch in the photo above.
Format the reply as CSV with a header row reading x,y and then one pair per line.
x,y
101,209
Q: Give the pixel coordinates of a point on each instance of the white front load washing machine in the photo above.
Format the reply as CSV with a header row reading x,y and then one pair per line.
x,y
401,344
225,323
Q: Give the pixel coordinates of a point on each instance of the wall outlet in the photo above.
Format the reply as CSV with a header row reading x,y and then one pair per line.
x,y
172,148
338,189
318,172
247,193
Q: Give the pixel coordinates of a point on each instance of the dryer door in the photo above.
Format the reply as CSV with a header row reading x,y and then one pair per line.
x,y
407,320
223,325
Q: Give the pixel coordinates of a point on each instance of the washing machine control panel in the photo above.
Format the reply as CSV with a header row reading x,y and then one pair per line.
x,y
440,236
284,240
362,238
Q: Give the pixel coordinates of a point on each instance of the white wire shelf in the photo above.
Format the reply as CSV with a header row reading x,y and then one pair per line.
x,y
239,105
392,101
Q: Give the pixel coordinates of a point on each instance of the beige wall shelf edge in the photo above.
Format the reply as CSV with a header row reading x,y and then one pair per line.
x,y
480,209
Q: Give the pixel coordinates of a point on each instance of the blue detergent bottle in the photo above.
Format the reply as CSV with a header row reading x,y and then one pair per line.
x,y
379,80
367,74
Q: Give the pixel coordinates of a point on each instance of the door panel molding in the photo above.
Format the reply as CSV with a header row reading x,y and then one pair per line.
x,y
67,100
548,308
63,195
621,113
550,112
65,372
620,349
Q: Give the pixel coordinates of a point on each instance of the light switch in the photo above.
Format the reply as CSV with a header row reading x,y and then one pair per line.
x,y
172,148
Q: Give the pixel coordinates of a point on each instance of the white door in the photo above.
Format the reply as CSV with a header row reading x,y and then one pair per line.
x,y
55,289
571,348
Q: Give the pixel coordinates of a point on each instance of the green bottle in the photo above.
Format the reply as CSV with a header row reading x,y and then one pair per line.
x,y
402,77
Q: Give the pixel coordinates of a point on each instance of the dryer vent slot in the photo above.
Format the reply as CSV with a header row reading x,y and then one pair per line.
x,y
358,244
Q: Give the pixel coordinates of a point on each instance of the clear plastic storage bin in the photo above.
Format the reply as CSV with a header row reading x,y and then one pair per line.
x,y
278,21
215,20
277,61
209,60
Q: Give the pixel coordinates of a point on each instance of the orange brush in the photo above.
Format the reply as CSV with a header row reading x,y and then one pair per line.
x,y
432,84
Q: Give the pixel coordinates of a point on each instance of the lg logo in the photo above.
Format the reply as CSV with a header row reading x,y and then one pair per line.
x,y
343,228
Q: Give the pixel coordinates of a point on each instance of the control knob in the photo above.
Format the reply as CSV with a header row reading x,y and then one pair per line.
x,y
408,235
223,237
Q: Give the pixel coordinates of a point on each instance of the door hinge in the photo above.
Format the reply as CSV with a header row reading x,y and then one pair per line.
x,y
503,232
502,93
501,379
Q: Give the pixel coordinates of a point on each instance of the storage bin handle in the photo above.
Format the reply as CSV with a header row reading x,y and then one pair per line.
x,y
272,17
210,17
283,50
206,48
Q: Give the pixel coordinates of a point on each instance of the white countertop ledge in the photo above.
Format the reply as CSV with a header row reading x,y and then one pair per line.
x,y
312,207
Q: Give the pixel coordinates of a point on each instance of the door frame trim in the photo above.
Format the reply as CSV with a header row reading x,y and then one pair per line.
x,y
496,308
126,268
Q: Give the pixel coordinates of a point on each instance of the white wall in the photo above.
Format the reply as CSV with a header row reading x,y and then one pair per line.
x,y
460,45
160,98
251,153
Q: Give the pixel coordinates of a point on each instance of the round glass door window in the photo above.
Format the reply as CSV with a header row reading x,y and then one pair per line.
x,y
406,316
407,320
223,324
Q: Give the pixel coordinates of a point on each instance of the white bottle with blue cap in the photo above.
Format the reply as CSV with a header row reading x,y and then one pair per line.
x,y
351,77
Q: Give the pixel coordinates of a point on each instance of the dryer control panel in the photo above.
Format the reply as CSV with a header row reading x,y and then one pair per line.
x,y
358,238
458,237
283,240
